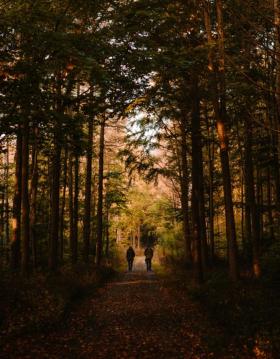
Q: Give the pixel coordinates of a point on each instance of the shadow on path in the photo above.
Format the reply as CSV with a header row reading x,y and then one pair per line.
x,y
135,316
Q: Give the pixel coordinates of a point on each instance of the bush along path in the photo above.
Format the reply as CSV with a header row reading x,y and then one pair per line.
x,y
134,316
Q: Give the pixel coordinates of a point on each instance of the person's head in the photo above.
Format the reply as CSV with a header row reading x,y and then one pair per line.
x,y
130,247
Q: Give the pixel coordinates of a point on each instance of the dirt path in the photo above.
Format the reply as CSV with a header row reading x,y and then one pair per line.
x,y
135,316
139,264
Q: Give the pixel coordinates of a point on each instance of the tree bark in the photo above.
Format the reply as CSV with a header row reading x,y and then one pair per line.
x,y
211,149
185,190
54,218
250,189
275,136
242,213
55,181
94,211
203,235
71,205
2,207
75,210
269,204
63,203
107,230
99,248
88,191
196,189
219,105
7,206
33,197
16,221
25,199
259,201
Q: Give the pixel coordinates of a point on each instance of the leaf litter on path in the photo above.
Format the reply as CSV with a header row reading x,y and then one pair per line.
x,y
135,316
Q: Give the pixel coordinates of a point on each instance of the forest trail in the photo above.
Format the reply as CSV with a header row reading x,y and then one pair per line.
x,y
139,264
134,316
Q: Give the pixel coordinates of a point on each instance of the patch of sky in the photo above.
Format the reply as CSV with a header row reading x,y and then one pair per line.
x,y
141,127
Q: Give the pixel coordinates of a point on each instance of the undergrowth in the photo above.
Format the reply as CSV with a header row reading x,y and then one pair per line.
x,y
42,301
247,312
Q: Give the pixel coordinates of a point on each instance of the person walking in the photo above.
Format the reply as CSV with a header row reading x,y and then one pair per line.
x,y
130,254
149,255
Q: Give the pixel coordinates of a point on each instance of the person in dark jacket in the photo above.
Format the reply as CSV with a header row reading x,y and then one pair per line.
x,y
149,255
130,254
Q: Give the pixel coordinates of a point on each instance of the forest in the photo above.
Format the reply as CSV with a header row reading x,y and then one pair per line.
x,y
143,123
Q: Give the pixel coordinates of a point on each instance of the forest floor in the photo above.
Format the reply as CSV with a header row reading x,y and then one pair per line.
x,y
136,315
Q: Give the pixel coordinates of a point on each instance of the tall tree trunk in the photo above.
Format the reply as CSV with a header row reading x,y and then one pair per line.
x,y
203,235
196,189
99,231
259,201
269,205
88,188
248,229
242,214
25,199
246,178
33,197
277,52
276,125
94,212
244,204
250,189
211,151
184,181
75,210
71,206
2,206
54,216
7,206
219,105
16,222
107,233
63,203
55,181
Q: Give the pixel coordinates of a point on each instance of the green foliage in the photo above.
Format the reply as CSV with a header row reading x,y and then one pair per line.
x,y
171,238
115,197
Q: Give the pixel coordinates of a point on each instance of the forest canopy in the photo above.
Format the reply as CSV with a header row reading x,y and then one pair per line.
x,y
150,124
96,95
